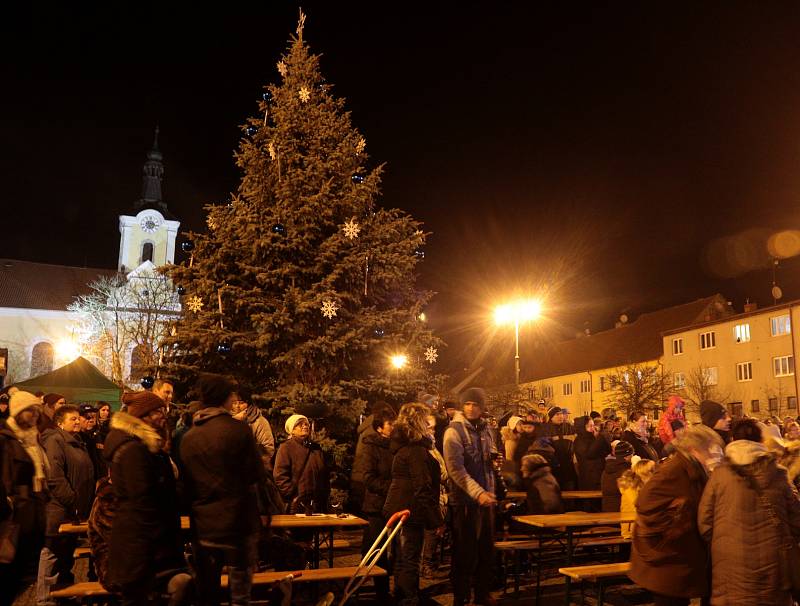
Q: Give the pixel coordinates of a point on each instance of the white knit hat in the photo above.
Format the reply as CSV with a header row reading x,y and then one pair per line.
x,y
292,421
513,421
22,400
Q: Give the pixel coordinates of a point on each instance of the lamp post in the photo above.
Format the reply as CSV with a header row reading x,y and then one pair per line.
x,y
517,312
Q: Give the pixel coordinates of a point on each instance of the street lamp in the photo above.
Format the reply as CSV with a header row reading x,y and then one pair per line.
x,y
517,312
399,361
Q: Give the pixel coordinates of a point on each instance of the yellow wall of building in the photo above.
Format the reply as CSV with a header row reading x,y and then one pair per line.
x,y
578,402
760,351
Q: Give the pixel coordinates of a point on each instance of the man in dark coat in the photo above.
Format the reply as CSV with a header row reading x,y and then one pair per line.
x,y
145,537
300,471
23,473
561,435
669,557
224,475
71,482
716,416
374,463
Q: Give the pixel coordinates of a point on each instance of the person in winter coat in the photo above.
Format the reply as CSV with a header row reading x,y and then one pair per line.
x,y
751,516
468,450
245,411
51,403
300,470
544,494
717,417
629,484
668,556
637,435
591,450
561,435
224,480
145,537
414,486
374,463
675,412
71,483
617,463
23,470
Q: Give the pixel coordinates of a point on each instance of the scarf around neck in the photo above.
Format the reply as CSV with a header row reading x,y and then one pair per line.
x,y
29,438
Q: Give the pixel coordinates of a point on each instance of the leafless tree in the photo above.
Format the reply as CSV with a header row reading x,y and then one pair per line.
x,y
702,384
121,315
638,387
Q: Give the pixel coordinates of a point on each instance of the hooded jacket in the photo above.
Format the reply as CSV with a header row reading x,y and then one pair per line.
x,y
415,481
750,516
590,452
374,464
668,555
614,468
671,414
17,475
145,536
262,432
71,480
544,494
468,449
223,476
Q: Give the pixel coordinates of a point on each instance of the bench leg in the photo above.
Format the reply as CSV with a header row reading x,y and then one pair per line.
x,y
600,592
568,585
516,574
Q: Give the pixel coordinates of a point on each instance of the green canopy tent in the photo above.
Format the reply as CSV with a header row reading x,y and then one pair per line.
x,y
78,381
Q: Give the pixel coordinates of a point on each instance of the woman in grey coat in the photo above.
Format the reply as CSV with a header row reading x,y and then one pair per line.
x,y
750,515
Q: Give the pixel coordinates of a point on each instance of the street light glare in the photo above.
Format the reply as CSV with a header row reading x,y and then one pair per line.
x,y
399,360
519,311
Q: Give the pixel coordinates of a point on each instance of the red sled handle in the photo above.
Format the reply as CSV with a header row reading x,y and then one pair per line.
x,y
400,515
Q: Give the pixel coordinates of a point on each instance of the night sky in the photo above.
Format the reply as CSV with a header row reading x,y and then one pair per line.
x,y
610,156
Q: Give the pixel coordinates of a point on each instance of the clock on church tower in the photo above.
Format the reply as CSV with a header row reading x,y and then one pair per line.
x,y
150,233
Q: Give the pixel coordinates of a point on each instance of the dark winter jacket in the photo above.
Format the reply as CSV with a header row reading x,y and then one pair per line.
x,y
544,494
591,453
641,448
71,481
522,448
468,449
748,544
415,482
90,440
101,521
614,468
313,484
223,476
561,438
145,536
668,555
375,466
17,473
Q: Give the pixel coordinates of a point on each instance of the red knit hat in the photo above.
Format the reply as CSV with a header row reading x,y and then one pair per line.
x,y
141,403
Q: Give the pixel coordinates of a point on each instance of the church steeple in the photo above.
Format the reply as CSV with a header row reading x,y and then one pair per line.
x,y
151,180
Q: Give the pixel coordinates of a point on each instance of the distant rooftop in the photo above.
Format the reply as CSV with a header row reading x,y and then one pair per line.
x,y
29,285
637,342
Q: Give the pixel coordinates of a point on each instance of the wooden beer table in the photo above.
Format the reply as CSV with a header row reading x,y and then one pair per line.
x,y
317,523
566,494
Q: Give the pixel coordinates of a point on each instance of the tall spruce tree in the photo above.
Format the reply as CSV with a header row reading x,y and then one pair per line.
x,y
303,287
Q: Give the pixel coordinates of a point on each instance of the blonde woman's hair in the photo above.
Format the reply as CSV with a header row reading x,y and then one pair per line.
x,y
413,421
697,437
644,469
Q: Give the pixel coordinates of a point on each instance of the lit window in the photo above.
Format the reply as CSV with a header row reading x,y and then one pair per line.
x,y
783,366
567,389
711,375
679,380
781,325
744,371
677,347
708,340
741,333
586,385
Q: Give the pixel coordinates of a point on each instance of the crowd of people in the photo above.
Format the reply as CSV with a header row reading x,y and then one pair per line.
x,y
713,501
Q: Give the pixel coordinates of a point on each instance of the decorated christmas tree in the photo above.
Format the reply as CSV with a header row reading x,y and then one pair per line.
x,y
303,288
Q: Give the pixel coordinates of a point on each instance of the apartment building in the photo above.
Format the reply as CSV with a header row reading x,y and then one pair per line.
x,y
745,361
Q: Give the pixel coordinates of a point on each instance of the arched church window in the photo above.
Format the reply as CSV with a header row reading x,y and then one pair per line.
x,y
147,252
41,359
139,358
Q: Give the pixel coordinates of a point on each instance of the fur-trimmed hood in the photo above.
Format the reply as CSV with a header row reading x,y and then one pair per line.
x,y
788,453
745,452
130,427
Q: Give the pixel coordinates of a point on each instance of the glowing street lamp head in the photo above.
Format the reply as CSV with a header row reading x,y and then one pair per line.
x,y
68,350
518,311
399,361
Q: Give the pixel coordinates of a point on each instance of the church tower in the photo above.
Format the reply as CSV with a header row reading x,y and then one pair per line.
x,y
148,234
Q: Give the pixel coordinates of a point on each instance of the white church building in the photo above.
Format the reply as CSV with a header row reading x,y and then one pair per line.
x,y
37,332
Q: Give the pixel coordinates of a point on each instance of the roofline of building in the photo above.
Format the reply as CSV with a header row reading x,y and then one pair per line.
x,y
4,260
733,318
